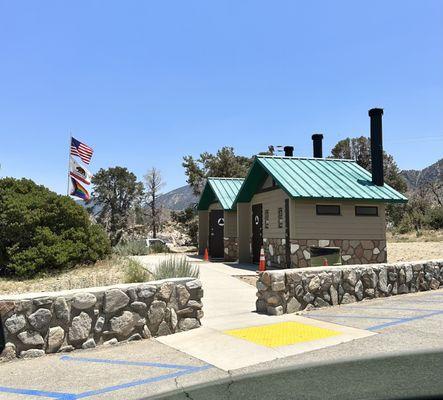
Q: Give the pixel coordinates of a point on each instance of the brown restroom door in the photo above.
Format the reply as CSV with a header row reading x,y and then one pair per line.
x,y
257,231
216,232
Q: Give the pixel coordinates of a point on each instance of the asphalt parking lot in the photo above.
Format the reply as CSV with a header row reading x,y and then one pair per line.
x,y
147,368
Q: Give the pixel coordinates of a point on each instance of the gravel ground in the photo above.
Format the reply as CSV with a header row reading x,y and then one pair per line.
x,y
412,251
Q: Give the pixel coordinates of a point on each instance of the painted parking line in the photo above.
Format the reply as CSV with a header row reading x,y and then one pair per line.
x,y
124,362
403,321
180,370
392,321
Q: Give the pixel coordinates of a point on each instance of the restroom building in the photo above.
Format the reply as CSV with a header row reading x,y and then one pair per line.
x,y
217,218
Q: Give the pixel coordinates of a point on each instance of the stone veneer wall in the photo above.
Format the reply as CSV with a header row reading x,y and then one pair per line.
x,y
231,248
291,290
352,251
34,324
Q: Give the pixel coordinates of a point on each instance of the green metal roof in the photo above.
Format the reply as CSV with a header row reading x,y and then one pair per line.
x,y
317,178
223,190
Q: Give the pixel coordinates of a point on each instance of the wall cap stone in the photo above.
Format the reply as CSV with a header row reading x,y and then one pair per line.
x,y
98,289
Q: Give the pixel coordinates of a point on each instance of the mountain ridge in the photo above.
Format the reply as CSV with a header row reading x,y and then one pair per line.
x,y
416,178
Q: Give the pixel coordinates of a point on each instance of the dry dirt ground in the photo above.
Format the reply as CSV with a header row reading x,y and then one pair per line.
x,y
102,273
412,251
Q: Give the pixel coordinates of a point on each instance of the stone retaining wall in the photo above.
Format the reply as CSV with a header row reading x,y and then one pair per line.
x,y
352,251
34,324
231,248
291,290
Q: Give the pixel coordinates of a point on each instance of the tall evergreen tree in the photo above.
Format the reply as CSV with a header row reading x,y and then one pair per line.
x,y
117,193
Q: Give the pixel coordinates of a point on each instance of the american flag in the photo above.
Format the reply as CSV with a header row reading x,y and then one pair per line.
x,y
81,150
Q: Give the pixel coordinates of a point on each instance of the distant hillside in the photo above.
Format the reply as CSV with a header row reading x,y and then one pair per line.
x,y
418,178
178,199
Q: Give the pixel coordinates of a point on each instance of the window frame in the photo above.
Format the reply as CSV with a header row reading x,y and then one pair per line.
x,y
366,215
327,213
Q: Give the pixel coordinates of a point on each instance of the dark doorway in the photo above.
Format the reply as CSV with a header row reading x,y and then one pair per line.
x,y
216,230
287,235
257,231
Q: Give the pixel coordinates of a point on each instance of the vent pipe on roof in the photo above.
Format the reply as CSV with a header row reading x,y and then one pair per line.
x,y
289,151
376,146
317,143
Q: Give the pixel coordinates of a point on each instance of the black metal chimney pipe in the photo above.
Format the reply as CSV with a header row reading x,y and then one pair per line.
x,y
317,144
376,146
289,151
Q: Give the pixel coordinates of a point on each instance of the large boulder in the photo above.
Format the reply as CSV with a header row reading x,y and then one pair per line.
x,y
115,300
83,301
15,323
29,338
61,310
55,339
40,319
80,327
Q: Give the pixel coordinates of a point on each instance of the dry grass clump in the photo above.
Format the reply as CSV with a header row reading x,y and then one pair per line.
x,y
422,236
135,272
175,267
103,273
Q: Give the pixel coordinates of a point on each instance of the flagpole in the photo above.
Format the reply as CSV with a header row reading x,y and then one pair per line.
x,y
69,160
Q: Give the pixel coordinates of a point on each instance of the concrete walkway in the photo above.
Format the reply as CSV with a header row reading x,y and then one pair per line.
x,y
229,304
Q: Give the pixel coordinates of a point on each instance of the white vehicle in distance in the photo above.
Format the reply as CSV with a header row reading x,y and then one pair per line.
x,y
158,242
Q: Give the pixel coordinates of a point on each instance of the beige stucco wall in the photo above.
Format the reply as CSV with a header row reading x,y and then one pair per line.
x,y
306,224
203,230
271,200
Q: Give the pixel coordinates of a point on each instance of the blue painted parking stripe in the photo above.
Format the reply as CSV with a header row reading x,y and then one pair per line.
x,y
128,385
423,301
350,316
124,362
394,308
182,370
403,321
38,393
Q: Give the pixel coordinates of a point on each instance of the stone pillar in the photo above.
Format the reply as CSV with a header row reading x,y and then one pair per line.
x,y
243,232
203,230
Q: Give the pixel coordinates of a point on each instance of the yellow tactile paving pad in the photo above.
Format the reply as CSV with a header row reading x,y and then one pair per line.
x,y
282,334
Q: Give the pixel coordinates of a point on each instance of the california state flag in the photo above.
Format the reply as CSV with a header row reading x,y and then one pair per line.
x,y
79,172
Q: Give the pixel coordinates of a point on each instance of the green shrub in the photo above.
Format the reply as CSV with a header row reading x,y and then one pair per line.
x,y
434,218
132,248
135,272
176,267
158,248
43,231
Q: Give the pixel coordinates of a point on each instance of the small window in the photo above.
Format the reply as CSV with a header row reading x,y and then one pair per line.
x,y
266,219
366,211
328,210
280,217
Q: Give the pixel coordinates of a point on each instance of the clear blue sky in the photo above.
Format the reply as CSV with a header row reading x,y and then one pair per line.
x,y
146,82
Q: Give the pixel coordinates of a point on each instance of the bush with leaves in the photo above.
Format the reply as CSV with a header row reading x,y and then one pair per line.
x,y
131,248
135,272
42,231
434,218
158,247
176,267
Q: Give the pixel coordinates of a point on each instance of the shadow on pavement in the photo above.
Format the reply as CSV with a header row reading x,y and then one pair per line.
x,y
406,376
